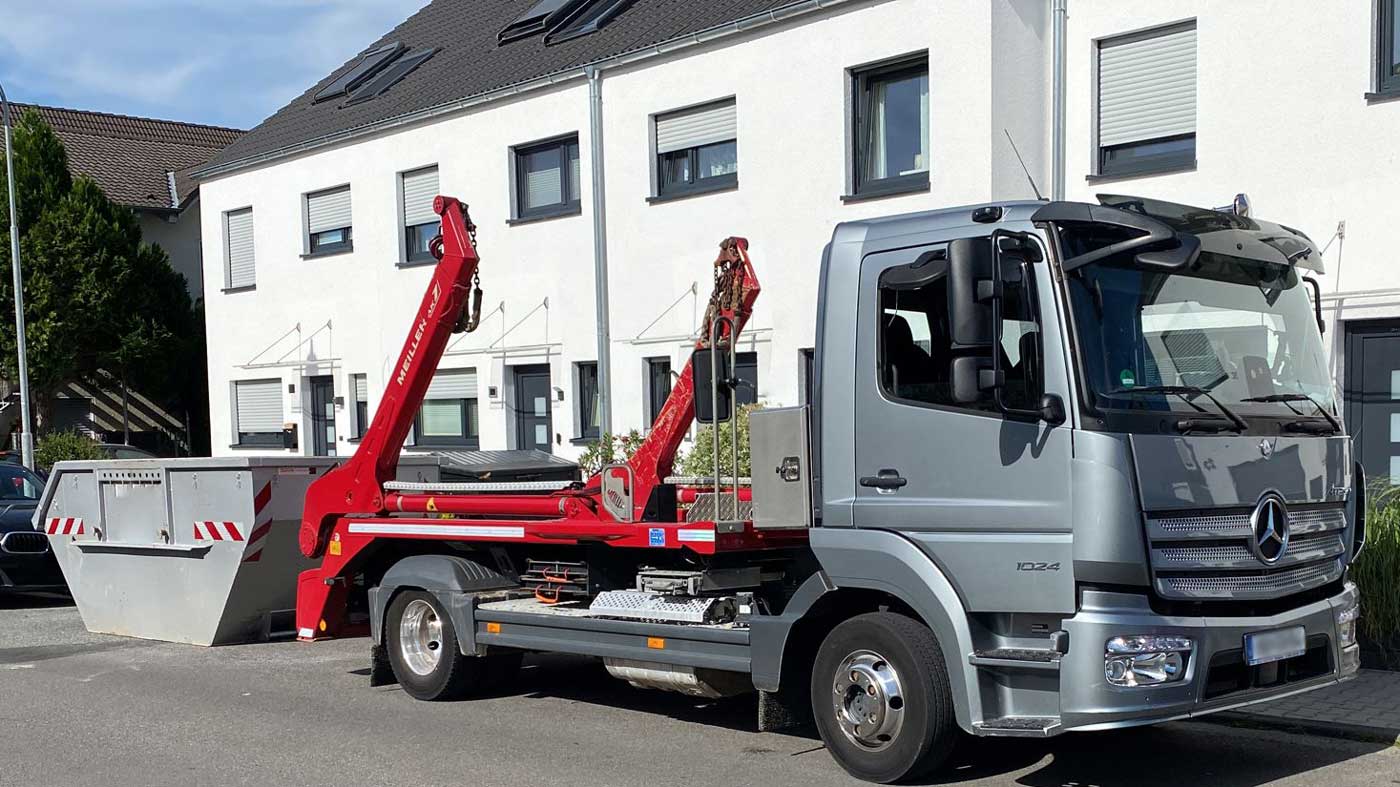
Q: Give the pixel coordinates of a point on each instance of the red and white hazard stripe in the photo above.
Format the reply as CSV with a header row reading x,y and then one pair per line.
x,y
262,525
65,526
217,531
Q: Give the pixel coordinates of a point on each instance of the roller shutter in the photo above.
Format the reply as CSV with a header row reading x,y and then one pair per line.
x,y
1147,86
692,128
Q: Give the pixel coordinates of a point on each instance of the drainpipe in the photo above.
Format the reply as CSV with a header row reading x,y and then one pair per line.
x,y
600,248
1059,10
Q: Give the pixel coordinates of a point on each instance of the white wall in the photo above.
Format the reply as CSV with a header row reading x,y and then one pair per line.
x,y
180,239
791,86
1282,117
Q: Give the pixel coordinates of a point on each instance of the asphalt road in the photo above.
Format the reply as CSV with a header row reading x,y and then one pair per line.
x,y
83,709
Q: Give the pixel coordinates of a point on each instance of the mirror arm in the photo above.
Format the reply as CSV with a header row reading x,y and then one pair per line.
x,y
997,373
1317,304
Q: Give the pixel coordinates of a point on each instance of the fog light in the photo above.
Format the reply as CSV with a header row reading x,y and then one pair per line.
x,y
1145,660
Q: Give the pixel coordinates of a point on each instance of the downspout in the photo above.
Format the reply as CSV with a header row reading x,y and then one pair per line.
x,y
600,248
1059,10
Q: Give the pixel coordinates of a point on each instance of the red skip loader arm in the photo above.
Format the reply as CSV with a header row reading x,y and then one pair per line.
x,y
357,487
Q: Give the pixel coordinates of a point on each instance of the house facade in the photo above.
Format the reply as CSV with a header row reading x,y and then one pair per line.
x,y
311,293
773,120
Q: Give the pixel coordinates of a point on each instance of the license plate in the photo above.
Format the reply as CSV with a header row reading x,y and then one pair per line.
x,y
1263,647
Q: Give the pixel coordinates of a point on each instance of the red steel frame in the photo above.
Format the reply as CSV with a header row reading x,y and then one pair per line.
x,y
348,509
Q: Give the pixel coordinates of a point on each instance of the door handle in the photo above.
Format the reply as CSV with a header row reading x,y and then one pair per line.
x,y
887,480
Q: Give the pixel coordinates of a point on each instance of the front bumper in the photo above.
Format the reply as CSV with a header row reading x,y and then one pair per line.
x,y
1217,677
30,571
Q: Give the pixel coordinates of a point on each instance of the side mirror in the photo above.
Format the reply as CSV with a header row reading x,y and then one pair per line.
x,y
972,376
714,395
1052,409
970,293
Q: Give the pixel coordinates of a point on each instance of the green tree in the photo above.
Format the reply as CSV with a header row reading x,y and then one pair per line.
x,y
65,446
700,461
96,296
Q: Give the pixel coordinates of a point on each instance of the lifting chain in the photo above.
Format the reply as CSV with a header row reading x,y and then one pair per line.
x,y
728,292
470,318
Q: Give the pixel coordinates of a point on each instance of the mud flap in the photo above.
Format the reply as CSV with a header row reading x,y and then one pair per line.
x,y
380,671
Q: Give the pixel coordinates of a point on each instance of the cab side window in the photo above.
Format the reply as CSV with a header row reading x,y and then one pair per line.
x,y
916,351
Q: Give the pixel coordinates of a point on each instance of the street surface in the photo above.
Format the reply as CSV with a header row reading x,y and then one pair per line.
x,y
83,709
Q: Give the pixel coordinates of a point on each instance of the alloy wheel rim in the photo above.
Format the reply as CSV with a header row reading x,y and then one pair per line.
x,y
868,700
420,637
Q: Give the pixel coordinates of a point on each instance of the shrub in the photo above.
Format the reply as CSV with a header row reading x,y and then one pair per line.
x,y
1376,571
700,460
64,446
607,450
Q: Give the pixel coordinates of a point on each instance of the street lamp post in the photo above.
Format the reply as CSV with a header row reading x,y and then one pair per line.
x,y
26,425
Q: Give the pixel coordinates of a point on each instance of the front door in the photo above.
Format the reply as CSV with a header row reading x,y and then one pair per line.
x,y
1372,396
985,495
533,422
321,391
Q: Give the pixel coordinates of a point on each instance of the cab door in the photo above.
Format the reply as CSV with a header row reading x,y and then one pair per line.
x,y
986,495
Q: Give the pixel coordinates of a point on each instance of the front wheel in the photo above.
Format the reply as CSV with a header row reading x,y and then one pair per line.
x,y
881,698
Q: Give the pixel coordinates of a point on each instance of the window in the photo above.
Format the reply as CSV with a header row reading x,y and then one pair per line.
x,y
1147,101
658,386
390,76
449,412
420,224
890,127
585,17
697,149
746,370
916,351
359,387
1387,53
328,221
547,179
238,249
257,412
588,399
536,19
369,64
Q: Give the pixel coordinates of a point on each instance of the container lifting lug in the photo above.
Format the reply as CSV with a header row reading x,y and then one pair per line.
x,y
470,319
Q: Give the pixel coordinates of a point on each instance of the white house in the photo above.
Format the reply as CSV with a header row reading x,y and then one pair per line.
x,y
771,119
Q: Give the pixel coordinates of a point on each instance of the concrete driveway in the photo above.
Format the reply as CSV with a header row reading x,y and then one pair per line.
x,y
84,709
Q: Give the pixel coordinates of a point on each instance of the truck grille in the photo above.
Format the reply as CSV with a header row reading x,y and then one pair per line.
x,y
1210,557
24,543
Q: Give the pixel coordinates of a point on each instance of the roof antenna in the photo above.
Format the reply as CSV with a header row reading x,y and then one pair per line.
x,y
1023,165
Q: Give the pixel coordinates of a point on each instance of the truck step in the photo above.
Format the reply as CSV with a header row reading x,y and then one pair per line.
x,y
1019,726
1016,658
641,605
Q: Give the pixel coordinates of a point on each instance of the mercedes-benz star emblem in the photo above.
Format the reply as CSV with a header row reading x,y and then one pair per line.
x,y
1269,523
1266,447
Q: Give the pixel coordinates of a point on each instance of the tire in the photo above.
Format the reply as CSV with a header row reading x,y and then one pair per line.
x,y
423,650
900,694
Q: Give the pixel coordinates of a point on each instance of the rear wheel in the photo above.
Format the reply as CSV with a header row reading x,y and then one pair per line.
x,y
423,650
881,698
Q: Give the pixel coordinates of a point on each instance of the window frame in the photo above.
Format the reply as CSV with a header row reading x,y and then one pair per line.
x,y
861,78
1151,164
1387,82
567,207
359,408
313,246
741,359
465,439
986,408
694,185
411,233
649,367
229,286
255,439
584,431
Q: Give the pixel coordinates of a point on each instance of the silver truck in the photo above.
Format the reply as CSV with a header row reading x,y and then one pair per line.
x,y
1066,467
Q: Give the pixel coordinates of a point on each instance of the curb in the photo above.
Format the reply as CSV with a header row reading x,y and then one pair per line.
x,y
1325,729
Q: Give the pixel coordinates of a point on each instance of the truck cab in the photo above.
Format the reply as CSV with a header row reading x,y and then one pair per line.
x,y
1095,448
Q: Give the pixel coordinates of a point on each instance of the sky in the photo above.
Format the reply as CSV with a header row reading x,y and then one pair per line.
x,y
222,62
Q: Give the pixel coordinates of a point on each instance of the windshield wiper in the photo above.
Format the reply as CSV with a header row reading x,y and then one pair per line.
x,y
1185,392
1289,398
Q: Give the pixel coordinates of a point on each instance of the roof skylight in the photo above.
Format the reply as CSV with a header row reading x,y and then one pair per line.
x,y
369,64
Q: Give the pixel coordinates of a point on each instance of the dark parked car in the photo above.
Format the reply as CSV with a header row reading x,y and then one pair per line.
x,y
119,451
25,560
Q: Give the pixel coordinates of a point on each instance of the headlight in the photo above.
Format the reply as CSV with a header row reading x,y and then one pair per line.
x,y
1347,616
1145,660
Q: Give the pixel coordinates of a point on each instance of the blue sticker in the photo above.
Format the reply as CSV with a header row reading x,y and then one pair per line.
x,y
656,537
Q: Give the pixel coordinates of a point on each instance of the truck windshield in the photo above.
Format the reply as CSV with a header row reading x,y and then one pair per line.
x,y
1242,330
